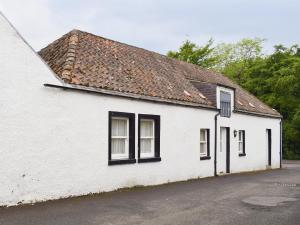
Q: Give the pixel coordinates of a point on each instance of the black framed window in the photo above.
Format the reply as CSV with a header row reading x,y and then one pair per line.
x,y
225,104
121,138
204,144
148,138
241,141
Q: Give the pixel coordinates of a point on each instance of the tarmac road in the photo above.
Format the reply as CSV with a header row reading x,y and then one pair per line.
x,y
268,197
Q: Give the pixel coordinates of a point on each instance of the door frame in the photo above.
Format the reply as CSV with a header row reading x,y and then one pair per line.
x,y
227,147
269,140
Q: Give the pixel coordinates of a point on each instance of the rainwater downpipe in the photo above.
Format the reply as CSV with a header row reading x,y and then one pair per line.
x,y
216,136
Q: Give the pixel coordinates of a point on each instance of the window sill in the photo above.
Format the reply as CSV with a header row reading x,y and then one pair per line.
x,y
121,161
205,158
242,154
143,160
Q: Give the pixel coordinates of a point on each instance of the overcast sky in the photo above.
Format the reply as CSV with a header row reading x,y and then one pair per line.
x,y
158,25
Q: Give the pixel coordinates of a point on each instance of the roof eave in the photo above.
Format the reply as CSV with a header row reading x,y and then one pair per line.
x,y
152,99
129,95
257,114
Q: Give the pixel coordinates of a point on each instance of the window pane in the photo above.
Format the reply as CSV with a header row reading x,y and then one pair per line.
x,y
202,135
225,96
146,145
225,103
240,146
225,109
118,146
203,148
119,127
147,128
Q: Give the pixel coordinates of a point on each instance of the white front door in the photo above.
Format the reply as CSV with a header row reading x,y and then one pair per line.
x,y
221,162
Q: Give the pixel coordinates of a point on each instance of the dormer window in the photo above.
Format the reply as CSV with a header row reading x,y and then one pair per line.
x,y
225,104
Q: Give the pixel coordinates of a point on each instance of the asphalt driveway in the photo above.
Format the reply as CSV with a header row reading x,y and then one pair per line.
x,y
269,197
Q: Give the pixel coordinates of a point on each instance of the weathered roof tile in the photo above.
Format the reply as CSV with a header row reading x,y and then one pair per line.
x,y
81,58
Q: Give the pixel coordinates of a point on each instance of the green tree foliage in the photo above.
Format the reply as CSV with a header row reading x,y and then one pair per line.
x,y
236,58
273,78
201,56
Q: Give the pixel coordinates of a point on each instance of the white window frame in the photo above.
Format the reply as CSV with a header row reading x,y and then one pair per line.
x,y
228,109
152,153
204,142
241,141
218,97
126,154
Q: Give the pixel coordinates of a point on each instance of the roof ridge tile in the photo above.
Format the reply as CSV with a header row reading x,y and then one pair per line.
x,y
69,63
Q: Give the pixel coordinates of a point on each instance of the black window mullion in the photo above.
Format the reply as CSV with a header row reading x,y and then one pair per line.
x,y
139,137
109,136
132,136
208,142
244,150
157,137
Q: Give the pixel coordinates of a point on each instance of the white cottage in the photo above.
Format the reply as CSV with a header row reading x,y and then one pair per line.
x,y
91,115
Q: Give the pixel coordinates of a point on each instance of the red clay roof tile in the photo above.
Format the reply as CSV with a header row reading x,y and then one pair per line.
x,y
81,58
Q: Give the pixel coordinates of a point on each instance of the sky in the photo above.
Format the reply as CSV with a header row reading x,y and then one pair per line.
x,y
157,25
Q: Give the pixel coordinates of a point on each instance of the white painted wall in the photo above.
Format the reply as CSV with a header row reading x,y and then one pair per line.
x,y
255,142
54,143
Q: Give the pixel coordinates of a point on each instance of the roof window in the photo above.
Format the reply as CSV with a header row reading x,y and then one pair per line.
x,y
253,106
185,92
201,95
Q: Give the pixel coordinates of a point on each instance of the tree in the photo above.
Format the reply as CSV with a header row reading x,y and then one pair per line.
x,y
201,56
275,79
236,58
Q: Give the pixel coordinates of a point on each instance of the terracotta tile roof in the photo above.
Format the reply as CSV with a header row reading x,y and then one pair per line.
x,y
244,101
84,59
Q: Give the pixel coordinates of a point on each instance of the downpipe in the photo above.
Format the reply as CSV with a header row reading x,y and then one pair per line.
x,y
216,140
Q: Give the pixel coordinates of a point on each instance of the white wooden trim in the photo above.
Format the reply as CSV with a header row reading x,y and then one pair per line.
x,y
126,153
151,153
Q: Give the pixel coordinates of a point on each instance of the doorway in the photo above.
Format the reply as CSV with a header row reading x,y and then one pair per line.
x,y
223,162
269,146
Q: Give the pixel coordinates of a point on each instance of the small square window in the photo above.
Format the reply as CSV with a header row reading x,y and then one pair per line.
x,y
241,143
204,144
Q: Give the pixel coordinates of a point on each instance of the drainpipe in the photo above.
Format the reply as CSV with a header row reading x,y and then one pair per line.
x,y
280,152
216,134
